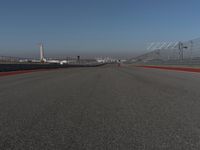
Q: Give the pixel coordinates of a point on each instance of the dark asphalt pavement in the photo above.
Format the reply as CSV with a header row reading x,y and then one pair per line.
x,y
103,108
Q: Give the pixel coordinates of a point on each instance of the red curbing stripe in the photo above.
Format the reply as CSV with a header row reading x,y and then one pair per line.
x,y
10,73
186,69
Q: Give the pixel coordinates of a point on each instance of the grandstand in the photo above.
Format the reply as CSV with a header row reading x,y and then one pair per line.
x,y
185,53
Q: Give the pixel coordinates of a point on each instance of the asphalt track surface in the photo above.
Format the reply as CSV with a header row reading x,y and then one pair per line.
x,y
102,108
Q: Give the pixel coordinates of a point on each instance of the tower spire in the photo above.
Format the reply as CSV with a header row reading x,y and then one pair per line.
x,y
41,52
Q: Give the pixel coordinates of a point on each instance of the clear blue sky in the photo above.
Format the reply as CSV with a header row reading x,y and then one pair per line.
x,y
94,27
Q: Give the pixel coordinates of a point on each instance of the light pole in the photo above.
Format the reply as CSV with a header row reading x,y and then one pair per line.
x,y
181,48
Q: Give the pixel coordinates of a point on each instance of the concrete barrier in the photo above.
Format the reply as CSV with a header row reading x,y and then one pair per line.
x,y
17,67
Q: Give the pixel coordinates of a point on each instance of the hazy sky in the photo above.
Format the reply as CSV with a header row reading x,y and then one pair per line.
x,y
94,27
